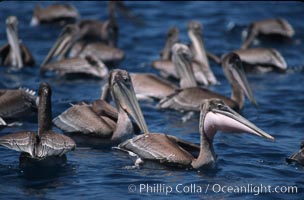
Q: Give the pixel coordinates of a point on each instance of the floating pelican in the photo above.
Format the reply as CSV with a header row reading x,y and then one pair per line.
x,y
56,13
149,86
297,157
262,60
189,99
259,60
46,144
88,65
99,124
17,103
15,53
86,38
169,150
268,27
201,68
166,66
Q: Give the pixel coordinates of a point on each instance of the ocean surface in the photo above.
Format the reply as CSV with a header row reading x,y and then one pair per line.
x,y
243,160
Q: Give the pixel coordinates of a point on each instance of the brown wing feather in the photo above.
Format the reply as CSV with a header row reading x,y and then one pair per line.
x,y
82,118
157,147
189,99
21,141
16,103
54,144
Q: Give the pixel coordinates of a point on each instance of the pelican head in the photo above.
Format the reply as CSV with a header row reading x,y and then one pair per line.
x,y
173,34
13,40
195,26
66,39
181,58
233,69
216,115
122,91
172,38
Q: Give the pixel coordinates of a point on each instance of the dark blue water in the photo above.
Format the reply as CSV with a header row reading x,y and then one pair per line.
x,y
242,159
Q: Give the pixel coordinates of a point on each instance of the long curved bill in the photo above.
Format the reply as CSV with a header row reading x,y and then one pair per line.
x,y
14,42
62,44
127,100
181,59
239,75
229,120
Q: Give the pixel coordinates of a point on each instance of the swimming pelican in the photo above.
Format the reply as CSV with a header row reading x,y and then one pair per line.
x,y
189,99
169,150
297,157
15,53
268,27
86,122
166,67
86,38
46,143
88,65
262,60
201,68
17,103
149,86
56,13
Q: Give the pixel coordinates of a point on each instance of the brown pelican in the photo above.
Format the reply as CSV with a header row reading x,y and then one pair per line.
x,y
149,86
202,72
60,13
189,99
262,60
86,38
268,27
88,65
99,124
46,143
16,103
297,157
166,67
169,150
15,53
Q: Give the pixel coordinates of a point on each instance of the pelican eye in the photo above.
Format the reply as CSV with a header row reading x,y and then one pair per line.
x,y
126,78
221,106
